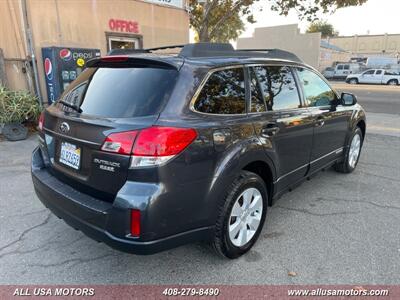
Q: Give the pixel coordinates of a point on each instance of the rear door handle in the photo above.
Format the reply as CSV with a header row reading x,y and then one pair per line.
x,y
270,129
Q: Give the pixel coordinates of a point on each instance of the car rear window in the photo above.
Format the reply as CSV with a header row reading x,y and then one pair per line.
x,y
223,93
121,92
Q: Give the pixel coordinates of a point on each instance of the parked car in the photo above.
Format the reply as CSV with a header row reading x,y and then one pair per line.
x,y
146,152
329,73
341,70
375,76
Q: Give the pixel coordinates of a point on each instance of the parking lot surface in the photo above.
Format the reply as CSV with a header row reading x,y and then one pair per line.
x,y
332,229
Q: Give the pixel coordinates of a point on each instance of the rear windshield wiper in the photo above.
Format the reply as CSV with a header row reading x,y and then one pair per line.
x,y
78,109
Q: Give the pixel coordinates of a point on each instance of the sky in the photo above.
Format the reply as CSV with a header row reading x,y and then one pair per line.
x,y
374,17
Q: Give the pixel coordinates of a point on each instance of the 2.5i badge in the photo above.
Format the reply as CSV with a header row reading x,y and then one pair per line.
x,y
106,165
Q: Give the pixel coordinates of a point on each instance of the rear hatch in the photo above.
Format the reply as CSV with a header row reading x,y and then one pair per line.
x,y
112,96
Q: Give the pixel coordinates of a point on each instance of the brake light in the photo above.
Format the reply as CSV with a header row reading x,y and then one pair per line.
x,y
163,141
115,58
41,121
120,142
135,222
151,146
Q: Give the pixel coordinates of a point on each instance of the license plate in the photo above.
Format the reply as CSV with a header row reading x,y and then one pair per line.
x,y
70,155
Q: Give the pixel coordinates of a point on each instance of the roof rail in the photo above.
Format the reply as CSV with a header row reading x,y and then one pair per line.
x,y
215,50
206,49
274,53
226,49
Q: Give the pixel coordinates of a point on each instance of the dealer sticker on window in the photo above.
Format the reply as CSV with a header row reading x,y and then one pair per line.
x,y
70,155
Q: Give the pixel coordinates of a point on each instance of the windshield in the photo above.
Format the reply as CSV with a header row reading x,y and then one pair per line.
x,y
120,92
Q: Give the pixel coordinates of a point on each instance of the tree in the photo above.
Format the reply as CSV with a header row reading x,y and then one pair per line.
x,y
219,20
222,20
324,27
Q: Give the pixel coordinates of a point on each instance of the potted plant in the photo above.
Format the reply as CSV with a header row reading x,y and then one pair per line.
x,y
16,109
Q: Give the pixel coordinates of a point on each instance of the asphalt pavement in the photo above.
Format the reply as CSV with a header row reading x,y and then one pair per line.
x,y
332,229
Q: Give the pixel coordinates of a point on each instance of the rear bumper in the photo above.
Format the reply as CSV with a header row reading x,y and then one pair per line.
x,y
100,220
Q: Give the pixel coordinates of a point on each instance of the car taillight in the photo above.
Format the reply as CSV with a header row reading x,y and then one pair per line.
x,y
120,142
114,58
41,121
135,222
151,146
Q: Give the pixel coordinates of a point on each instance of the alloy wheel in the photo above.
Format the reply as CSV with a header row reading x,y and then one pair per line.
x,y
354,152
245,217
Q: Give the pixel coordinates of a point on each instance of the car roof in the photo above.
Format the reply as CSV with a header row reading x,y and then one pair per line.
x,y
209,55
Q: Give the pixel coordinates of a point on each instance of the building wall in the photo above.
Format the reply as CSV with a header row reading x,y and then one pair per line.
x,y
84,23
287,37
330,56
12,41
385,44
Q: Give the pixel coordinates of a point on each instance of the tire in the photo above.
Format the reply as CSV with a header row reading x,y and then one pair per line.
x,y
349,162
393,82
226,242
353,81
15,132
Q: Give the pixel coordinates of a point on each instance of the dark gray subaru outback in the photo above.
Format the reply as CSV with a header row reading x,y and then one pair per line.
x,y
148,151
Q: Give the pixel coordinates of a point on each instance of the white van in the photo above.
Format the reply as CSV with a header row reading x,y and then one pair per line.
x,y
341,70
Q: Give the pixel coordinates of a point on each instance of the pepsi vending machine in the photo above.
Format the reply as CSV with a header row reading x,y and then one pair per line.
x,y
62,66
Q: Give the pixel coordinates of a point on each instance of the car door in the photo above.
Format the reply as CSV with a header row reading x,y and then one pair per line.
x,y
367,77
283,125
346,70
377,79
339,71
329,118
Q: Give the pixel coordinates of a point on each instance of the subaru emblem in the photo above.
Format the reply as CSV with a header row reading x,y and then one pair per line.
x,y
64,127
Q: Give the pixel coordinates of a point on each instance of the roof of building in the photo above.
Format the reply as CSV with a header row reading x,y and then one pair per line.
x,y
325,44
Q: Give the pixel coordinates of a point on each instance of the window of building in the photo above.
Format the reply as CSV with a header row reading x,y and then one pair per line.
x,y
123,41
278,86
316,91
223,93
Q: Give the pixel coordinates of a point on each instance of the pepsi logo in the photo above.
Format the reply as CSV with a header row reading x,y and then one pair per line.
x,y
48,69
65,54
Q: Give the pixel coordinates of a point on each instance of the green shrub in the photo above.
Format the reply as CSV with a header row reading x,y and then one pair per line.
x,y
17,106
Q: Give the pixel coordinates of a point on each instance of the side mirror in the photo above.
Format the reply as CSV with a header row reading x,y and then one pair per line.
x,y
348,99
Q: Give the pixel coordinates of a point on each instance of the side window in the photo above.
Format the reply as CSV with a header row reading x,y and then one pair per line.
x,y
346,67
223,93
257,101
369,72
340,67
316,91
378,72
278,86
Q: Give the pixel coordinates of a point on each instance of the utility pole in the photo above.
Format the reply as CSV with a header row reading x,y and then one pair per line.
x,y
3,76
31,51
